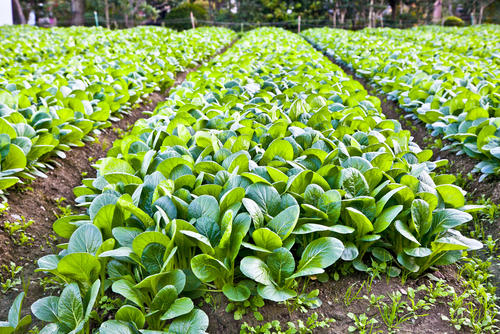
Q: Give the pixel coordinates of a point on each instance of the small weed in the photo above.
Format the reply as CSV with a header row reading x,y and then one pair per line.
x,y
17,231
351,295
275,326
241,308
11,280
362,323
394,313
64,210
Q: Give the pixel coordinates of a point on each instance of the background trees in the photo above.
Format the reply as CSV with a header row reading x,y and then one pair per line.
x,y
340,13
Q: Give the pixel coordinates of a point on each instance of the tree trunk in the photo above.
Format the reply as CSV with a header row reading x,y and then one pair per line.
x,y
394,5
77,12
482,7
370,15
210,11
106,13
19,10
436,14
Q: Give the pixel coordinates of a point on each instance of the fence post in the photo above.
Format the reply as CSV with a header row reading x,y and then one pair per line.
x,y
298,28
96,18
192,20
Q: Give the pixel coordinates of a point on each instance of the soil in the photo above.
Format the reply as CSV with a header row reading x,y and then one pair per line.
x,y
332,294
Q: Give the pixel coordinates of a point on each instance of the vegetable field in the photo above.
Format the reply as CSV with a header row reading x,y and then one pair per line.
x,y
268,193
448,78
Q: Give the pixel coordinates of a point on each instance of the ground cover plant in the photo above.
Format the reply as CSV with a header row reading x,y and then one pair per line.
x,y
447,77
60,86
266,168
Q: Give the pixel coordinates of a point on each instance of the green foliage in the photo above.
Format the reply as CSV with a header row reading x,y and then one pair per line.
x,y
16,324
79,87
180,17
267,167
418,69
312,323
453,21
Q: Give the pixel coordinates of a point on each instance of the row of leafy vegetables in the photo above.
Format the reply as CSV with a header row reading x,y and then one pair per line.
x,y
59,86
263,169
449,78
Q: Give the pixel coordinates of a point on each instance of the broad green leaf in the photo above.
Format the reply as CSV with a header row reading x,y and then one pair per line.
x,y
254,268
284,223
207,268
318,255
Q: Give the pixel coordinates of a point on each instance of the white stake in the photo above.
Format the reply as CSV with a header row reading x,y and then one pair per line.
x,y
192,20
299,25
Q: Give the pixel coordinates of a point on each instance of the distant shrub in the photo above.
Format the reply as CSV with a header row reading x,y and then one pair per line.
x,y
453,21
173,19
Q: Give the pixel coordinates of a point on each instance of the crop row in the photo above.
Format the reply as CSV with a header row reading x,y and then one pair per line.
x,y
449,79
58,86
264,168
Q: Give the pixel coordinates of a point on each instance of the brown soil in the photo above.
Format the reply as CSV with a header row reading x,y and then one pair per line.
x,y
333,294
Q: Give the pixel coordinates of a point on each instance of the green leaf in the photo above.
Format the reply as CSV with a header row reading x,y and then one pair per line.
x,y
405,231
279,148
359,221
91,298
284,223
354,183
204,205
452,195
207,268
86,239
318,255
80,267
115,327
330,202
195,322
15,310
265,238
418,251
350,251
381,254
70,306
420,216
233,196
179,307
129,313
146,238
128,291
453,240
164,298
238,293
254,268
281,264
45,309
275,294
444,219
386,218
